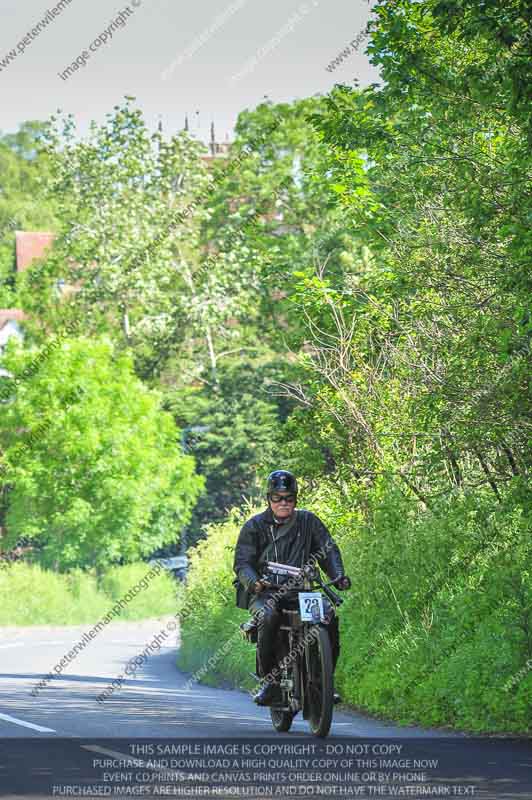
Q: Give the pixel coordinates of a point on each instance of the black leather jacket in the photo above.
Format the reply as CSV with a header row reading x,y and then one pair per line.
x,y
261,539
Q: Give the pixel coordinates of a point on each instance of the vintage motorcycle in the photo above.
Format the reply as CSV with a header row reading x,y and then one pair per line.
x,y
303,648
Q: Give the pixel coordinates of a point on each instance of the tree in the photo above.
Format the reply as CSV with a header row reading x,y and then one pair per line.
x,y
128,203
273,217
423,356
234,431
93,466
22,203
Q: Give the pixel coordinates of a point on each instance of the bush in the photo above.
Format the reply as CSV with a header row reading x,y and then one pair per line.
x,y
156,599
437,623
35,596
210,618
438,614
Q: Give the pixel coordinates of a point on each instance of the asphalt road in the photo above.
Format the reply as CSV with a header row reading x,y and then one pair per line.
x,y
156,703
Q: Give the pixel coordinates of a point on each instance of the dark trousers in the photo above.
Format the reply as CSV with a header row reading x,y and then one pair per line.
x,y
267,612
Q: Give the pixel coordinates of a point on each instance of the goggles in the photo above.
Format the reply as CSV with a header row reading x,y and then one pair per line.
x,y
278,498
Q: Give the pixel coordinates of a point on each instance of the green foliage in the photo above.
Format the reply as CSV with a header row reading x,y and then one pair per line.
x,y
267,218
436,623
209,616
98,476
348,297
32,595
439,613
22,204
232,430
422,353
128,203
274,216
413,329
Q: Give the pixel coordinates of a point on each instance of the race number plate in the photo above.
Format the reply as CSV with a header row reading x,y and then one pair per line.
x,y
311,606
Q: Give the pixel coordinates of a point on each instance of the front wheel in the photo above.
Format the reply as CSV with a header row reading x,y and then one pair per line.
x,y
320,684
281,720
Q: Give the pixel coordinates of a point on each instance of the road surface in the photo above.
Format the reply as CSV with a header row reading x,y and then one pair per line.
x,y
156,703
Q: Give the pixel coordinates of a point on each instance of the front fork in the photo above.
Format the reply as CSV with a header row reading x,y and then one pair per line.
x,y
294,675
291,683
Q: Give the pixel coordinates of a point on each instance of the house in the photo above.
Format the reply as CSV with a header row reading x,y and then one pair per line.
x,y
31,245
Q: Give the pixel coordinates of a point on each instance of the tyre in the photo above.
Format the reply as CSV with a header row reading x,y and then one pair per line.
x,y
281,720
320,684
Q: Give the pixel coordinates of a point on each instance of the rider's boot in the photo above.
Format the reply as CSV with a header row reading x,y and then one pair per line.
x,y
269,693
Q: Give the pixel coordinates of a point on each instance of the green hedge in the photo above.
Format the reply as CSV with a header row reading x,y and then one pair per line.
x,y
438,617
210,617
438,622
31,595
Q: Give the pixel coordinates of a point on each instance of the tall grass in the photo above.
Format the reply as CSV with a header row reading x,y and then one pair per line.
x,y
30,595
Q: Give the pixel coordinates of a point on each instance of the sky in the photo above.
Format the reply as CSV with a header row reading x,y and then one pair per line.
x,y
208,59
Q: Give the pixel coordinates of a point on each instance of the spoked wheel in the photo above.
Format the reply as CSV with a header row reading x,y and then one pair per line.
x,y
281,720
320,686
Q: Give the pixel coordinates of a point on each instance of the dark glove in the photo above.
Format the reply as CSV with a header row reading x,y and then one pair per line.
x,y
343,583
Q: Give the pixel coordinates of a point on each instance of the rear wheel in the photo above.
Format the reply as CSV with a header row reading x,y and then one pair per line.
x,y
320,684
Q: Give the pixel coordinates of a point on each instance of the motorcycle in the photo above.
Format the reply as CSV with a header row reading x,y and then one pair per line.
x,y
303,646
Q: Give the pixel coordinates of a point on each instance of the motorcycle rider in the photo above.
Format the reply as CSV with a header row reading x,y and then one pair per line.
x,y
286,535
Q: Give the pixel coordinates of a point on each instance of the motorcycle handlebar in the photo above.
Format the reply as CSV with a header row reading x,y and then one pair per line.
x,y
333,597
308,571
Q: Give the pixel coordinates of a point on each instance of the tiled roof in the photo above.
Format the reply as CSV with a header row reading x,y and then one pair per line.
x,y
11,315
31,245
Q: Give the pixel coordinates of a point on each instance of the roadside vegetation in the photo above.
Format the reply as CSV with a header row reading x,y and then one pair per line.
x,y
434,629
32,595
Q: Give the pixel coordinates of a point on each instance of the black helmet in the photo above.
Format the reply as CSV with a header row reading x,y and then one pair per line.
x,y
281,481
